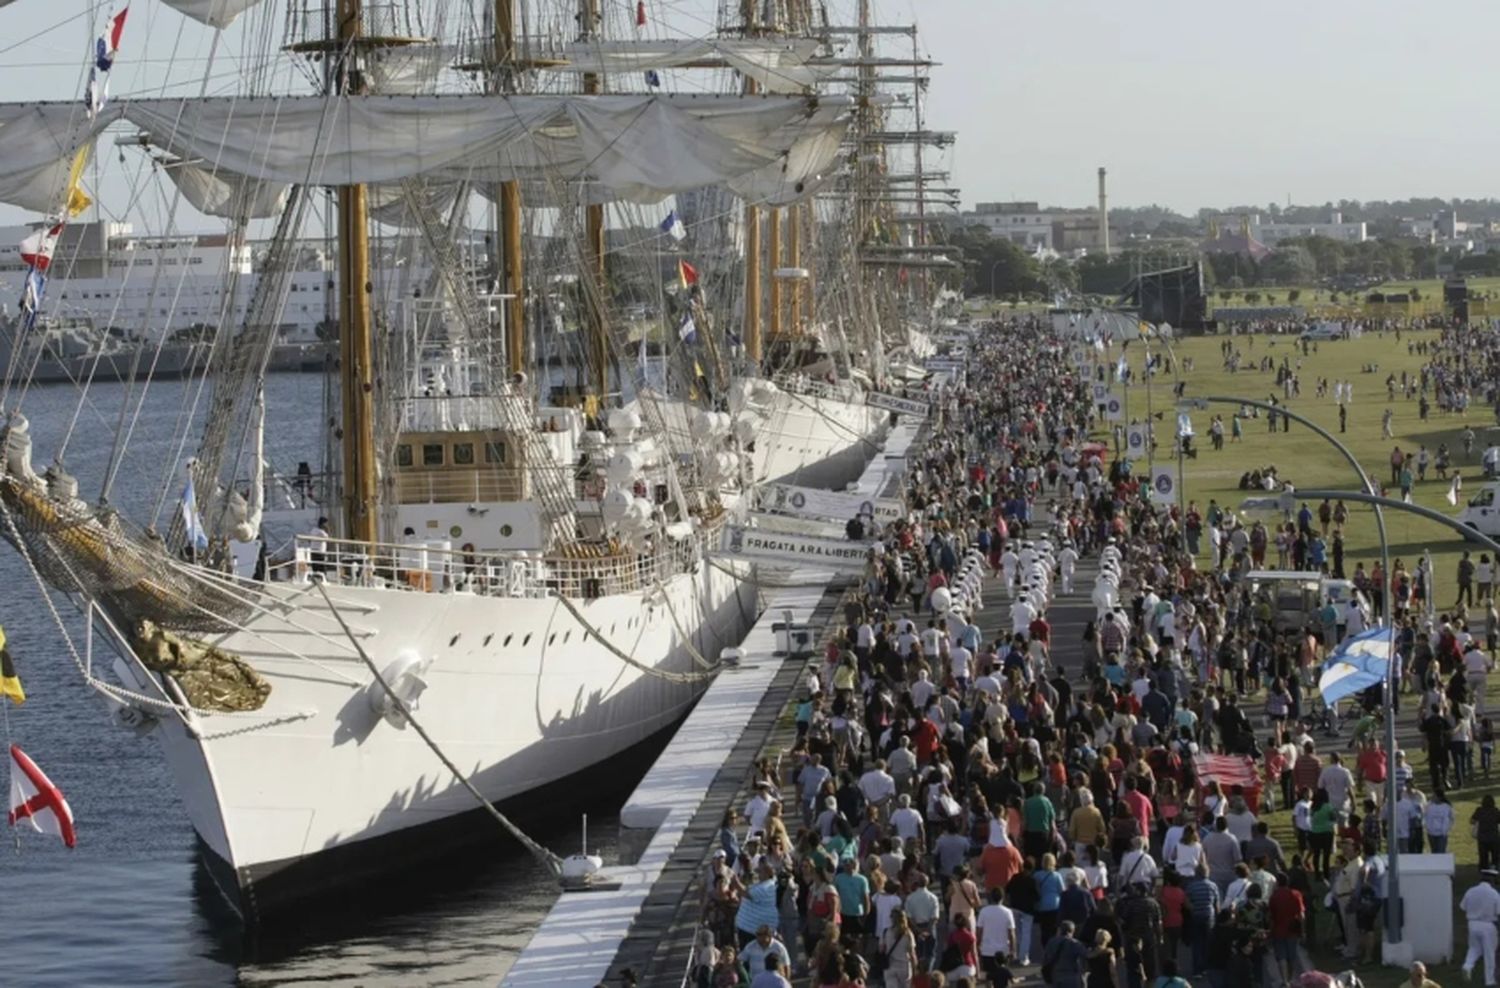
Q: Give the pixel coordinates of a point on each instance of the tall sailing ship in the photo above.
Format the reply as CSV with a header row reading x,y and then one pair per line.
x,y
527,571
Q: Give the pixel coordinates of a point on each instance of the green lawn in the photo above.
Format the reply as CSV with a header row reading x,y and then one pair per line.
x,y
1308,461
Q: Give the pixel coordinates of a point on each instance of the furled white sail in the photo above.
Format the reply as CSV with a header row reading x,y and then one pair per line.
x,y
636,146
408,69
780,65
214,13
806,167
214,194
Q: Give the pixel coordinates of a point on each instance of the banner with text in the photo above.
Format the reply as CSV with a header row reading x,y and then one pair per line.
x,y
895,403
796,550
809,502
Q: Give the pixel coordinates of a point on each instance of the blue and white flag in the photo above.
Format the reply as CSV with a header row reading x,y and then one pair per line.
x,y
192,522
653,79
1184,425
1122,368
672,226
1357,664
688,331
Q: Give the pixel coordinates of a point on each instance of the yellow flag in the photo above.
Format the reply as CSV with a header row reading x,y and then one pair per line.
x,y
10,683
78,200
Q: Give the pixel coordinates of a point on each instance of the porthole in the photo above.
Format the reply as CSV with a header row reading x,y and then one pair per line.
x,y
456,531
506,643
551,638
453,641
506,531
488,637
527,640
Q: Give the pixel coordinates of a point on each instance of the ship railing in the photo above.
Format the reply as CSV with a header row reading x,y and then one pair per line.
x,y
801,384
589,572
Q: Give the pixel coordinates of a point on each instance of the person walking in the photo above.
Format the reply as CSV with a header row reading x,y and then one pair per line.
x,y
1481,907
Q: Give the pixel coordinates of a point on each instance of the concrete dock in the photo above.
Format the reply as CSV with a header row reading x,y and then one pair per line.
x,y
648,923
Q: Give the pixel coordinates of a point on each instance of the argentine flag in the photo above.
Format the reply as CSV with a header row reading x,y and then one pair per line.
x,y
1357,664
192,522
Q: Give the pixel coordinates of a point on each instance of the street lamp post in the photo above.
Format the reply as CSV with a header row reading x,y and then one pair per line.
x,y
1372,497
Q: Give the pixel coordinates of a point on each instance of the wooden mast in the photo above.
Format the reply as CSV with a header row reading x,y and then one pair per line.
x,y
508,200
594,225
773,261
753,349
356,329
794,259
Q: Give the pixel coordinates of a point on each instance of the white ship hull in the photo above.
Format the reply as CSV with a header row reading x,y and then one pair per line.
x,y
810,440
817,441
519,696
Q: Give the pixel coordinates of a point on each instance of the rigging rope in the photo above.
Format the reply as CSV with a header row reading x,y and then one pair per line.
x,y
542,854
625,657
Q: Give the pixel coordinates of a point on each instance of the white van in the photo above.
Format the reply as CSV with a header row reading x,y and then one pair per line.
x,y
1482,513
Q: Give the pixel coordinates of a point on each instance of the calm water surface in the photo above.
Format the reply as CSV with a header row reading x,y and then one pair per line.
x,y
130,905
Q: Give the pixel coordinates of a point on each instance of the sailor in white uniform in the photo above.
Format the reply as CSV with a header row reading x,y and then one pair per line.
x,y
1022,613
1008,563
1481,904
1067,562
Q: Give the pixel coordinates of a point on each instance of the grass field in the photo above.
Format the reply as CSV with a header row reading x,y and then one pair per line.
x,y
1307,461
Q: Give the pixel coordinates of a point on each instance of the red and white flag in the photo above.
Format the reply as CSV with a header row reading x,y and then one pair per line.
x,y
36,250
35,799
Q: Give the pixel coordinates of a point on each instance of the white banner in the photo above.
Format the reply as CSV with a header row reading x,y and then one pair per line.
x,y
943,364
1114,407
810,502
797,550
1137,437
1164,484
895,403
1101,392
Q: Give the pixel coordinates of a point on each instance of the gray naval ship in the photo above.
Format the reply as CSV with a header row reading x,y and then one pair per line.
x,y
64,351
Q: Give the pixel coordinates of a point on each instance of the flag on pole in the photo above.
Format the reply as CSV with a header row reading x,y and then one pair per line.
x,y
109,42
1453,491
672,226
640,13
1122,368
688,331
1357,664
192,522
35,799
10,683
106,46
78,200
687,274
653,79
37,248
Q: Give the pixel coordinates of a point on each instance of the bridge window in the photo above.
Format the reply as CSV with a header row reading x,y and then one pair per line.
x,y
432,454
463,454
494,452
403,455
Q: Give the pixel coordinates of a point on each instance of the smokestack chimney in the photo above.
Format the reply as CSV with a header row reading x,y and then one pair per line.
x,y
1103,215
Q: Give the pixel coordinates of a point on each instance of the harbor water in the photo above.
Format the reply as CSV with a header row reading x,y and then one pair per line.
x,y
130,905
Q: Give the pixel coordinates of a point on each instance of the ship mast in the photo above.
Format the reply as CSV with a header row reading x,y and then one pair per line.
x,y
356,329
508,199
752,337
594,232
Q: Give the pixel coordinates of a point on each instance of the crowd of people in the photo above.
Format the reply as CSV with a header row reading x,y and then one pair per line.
x,y
962,809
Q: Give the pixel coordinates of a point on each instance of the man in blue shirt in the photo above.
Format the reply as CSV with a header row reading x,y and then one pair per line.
x,y
1203,906
760,952
854,899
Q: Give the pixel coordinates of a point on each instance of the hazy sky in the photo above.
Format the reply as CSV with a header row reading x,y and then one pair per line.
x,y
1186,102
1206,102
